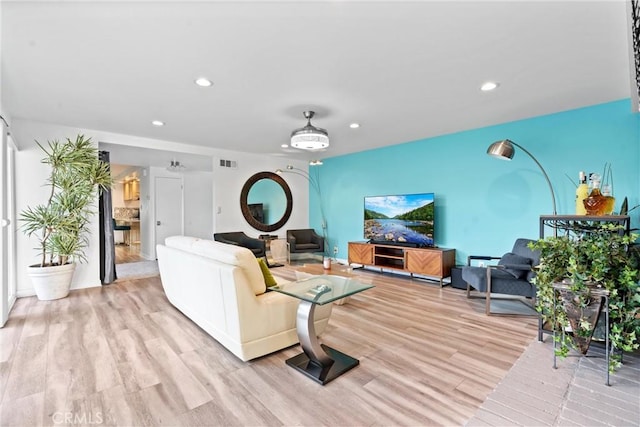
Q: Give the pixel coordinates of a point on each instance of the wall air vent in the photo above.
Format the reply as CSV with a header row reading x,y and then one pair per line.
x,y
232,164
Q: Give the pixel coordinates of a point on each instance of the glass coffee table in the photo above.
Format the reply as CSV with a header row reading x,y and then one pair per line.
x,y
308,270
318,361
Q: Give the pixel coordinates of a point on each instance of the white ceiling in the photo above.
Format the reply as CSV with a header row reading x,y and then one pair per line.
x,y
403,70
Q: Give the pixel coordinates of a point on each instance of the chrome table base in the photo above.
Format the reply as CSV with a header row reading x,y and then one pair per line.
x,y
319,362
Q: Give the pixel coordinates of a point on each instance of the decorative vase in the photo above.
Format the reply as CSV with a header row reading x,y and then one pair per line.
x,y
596,203
610,201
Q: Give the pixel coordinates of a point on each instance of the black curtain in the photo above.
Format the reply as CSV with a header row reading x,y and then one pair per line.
x,y
107,246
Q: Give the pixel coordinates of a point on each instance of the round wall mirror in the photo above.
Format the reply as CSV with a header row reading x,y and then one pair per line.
x,y
266,201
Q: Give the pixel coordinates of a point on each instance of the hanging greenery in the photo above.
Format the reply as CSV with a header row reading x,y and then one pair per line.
x,y
602,258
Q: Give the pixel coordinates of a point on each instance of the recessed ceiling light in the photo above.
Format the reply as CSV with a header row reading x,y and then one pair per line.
x,y
354,125
157,123
284,145
203,82
488,86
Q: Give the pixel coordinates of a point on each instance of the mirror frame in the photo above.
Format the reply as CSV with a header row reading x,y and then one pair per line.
x,y
244,206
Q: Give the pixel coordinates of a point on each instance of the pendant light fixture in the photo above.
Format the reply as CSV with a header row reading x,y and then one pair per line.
x,y
309,137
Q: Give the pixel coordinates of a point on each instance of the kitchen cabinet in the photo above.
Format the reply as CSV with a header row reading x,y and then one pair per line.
x,y
131,190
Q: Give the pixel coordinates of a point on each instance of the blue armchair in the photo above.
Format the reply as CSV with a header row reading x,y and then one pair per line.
x,y
512,276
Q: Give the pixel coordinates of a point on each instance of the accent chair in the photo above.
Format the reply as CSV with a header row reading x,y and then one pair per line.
x,y
238,238
511,276
305,241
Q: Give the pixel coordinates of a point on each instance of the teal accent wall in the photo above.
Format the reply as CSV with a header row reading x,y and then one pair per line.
x,y
484,204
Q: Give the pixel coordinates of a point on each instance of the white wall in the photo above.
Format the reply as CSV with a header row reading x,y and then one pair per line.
x,y
198,204
228,184
30,191
146,226
225,194
224,186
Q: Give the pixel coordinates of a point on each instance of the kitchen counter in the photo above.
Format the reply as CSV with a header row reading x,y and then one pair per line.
x,y
122,213
134,233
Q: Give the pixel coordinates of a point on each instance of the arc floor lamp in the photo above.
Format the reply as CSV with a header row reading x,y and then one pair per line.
x,y
315,183
504,150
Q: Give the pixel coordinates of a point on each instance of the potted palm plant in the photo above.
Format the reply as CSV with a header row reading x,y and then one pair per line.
x,y
577,266
60,224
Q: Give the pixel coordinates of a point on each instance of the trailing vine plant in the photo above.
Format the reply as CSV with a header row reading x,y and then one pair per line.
x,y
602,257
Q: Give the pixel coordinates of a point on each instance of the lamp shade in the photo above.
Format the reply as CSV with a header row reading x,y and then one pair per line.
x,y
502,150
310,137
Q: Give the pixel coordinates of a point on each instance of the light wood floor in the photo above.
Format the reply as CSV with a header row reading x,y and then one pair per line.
x,y
128,253
122,355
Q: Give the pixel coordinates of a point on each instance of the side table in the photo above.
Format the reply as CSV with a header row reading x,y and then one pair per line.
x,y
319,362
310,270
280,252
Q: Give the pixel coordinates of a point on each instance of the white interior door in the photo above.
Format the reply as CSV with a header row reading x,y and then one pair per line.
x,y
169,208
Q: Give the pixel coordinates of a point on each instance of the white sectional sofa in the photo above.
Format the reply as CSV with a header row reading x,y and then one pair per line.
x,y
221,288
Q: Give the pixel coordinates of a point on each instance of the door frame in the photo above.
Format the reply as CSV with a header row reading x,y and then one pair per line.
x,y
7,223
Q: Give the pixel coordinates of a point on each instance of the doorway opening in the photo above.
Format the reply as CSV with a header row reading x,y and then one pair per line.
x,y
125,200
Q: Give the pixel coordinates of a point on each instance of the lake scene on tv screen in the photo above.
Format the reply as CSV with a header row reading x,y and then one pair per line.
x,y
404,219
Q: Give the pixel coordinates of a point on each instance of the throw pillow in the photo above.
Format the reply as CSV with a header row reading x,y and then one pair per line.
x,y
269,280
513,260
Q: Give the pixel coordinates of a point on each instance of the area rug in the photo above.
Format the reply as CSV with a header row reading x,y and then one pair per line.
x,y
137,270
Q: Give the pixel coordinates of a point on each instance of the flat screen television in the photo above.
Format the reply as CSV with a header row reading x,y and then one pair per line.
x,y
405,219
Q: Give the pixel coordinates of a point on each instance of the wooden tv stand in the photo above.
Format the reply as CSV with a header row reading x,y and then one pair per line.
x,y
432,262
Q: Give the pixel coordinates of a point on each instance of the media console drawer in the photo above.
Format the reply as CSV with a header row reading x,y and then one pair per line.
x,y
360,253
432,262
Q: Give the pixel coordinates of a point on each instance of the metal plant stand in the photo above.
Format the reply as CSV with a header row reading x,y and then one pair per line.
x,y
603,294
576,225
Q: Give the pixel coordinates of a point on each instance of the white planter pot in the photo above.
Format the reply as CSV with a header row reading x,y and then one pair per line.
x,y
51,282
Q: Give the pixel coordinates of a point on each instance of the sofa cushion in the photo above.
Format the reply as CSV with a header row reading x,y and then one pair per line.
x,y
225,253
181,242
269,280
234,255
307,246
513,260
